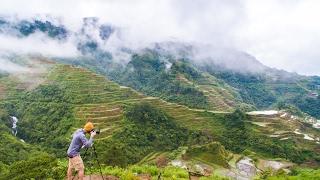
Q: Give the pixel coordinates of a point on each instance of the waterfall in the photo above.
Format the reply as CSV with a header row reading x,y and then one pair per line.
x,y
14,121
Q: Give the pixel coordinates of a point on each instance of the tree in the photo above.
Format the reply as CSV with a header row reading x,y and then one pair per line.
x,y
236,135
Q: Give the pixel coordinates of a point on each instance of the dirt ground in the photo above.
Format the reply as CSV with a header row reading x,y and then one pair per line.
x,y
105,177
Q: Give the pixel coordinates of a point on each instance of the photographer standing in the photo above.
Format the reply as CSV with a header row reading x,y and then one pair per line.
x,y
79,141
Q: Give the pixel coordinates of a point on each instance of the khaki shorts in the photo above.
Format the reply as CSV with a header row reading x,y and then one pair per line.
x,y
76,163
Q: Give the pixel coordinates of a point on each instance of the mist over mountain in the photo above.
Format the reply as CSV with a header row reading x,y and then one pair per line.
x,y
286,39
176,88
53,38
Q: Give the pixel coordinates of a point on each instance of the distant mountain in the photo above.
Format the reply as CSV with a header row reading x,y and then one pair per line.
x,y
23,28
196,75
216,83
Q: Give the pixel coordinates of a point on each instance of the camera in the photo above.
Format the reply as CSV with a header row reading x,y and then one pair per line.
x,y
96,130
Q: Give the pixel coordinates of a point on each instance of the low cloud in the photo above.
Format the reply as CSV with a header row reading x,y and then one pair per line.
x,y
10,67
37,43
282,34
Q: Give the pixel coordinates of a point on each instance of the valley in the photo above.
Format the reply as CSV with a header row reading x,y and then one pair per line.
x,y
270,139
174,90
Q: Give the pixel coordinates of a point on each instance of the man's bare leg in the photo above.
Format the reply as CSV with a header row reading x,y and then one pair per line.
x,y
69,173
81,174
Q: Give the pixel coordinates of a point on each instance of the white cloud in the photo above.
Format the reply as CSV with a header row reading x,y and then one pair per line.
x,y
10,67
37,43
283,34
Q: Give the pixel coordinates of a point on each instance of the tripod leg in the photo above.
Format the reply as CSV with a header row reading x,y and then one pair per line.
x,y
95,153
159,176
89,168
85,153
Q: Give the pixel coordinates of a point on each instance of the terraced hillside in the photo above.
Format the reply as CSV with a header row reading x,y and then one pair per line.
x,y
91,97
284,127
31,74
220,95
68,96
102,101
181,83
96,99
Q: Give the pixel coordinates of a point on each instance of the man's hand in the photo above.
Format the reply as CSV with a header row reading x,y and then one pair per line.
x,y
93,133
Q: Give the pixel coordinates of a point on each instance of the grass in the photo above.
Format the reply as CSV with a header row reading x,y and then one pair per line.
x,y
168,173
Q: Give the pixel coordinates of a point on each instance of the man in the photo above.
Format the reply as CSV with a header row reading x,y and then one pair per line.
x,y
79,141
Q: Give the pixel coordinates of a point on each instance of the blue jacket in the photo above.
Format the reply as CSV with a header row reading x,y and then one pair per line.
x,y
79,141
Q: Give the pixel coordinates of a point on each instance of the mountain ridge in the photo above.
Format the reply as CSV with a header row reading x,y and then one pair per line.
x,y
186,102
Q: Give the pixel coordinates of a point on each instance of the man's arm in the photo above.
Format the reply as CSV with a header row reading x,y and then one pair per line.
x,y
86,143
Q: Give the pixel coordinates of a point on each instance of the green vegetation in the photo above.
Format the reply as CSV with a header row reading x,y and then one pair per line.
x,y
26,28
12,149
207,87
214,177
165,77
252,88
37,166
309,105
169,172
146,130
263,91
296,174
236,136
134,128
147,73
213,153
241,136
47,117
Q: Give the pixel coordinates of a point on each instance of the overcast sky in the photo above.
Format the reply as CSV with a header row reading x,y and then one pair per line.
x,y
284,34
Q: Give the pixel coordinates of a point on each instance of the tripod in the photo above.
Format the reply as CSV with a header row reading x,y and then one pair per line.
x,y
96,158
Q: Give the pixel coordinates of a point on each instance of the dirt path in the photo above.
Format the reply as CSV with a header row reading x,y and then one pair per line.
x,y
109,177
98,177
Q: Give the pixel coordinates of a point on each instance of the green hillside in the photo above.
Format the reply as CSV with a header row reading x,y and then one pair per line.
x,y
271,88
208,86
182,83
136,128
